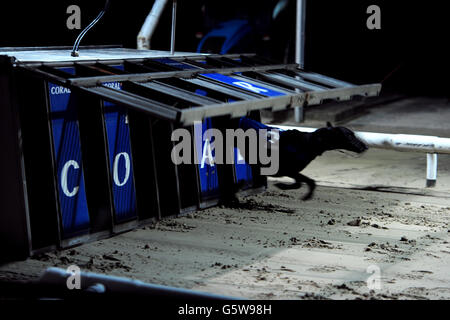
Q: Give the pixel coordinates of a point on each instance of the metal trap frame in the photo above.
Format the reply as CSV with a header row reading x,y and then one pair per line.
x,y
89,138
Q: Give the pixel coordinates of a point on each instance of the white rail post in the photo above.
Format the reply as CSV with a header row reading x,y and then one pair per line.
x,y
431,169
148,28
300,48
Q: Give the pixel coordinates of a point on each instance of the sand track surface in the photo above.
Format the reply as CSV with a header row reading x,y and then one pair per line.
x,y
276,246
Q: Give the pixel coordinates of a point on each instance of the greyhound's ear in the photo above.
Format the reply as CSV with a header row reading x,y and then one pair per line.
x,y
329,125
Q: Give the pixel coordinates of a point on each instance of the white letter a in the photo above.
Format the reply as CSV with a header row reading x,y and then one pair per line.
x,y
73,21
374,20
207,154
74,280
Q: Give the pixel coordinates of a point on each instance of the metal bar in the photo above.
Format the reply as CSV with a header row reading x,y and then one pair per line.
x,y
198,90
180,93
299,111
369,90
202,56
109,180
264,84
300,22
174,25
54,166
69,63
300,33
107,46
93,81
177,175
319,78
296,83
44,75
240,108
262,79
124,286
155,171
238,88
161,94
85,62
240,94
133,101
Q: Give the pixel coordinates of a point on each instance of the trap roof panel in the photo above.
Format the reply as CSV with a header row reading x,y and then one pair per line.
x,y
185,87
86,54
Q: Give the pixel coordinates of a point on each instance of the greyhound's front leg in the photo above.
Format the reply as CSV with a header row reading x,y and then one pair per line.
x,y
299,178
227,188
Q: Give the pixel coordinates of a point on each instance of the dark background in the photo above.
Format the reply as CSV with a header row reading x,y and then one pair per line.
x,y
408,54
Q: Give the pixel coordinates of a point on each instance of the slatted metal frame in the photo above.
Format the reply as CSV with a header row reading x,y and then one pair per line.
x,y
301,88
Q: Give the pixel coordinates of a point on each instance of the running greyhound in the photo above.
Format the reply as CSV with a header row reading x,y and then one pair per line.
x,y
297,149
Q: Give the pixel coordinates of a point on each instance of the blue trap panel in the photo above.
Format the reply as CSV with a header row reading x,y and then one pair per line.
x,y
120,158
248,86
70,178
209,181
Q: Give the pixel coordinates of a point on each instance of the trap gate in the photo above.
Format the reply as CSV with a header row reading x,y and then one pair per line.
x,y
87,143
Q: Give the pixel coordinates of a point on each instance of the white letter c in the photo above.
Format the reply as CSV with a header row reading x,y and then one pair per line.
x,y
65,169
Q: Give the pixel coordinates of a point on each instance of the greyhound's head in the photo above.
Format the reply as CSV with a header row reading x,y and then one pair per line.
x,y
339,138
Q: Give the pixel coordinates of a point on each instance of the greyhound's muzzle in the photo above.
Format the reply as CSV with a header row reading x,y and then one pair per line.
x,y
360,147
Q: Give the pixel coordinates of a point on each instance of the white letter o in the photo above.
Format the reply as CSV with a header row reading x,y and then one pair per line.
x,y
116,169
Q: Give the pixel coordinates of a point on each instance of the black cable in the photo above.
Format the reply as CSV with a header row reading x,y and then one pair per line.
x,y
83,33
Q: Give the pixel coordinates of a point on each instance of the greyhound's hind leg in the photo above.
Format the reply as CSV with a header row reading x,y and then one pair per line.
x,y
231,201
299,178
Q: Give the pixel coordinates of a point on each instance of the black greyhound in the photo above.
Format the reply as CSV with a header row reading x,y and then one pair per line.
x,y
296,150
